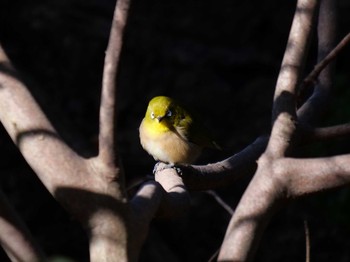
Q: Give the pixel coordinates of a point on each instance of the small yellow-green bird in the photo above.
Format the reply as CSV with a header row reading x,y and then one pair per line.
x,y
170,134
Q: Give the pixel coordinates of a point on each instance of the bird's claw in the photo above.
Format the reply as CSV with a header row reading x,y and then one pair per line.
x,y
165,166
156,167
177,169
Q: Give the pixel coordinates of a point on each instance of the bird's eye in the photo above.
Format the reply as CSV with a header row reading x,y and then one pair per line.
x,y
152,115
169,113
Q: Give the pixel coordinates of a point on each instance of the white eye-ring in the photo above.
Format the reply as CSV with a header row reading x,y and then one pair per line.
x,y
169,113
152,115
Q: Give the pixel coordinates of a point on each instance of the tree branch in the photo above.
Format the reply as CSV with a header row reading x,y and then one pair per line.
x,y
88,189
165,197
316,104
311,79
32,132
225,172
107,132
325,133
307,176
284,106
265,192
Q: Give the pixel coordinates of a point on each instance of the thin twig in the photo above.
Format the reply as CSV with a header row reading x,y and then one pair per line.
x,y
307,241
214,256
221,202
312,77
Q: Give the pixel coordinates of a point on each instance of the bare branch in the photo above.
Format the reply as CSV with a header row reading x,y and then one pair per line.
x,y
225,172
284,107
220,201
88,189
144,206
325,133
307,176
312,77
265,191
165,197
29,128
229,170
173,193
107,132
307,241
316,104
177,199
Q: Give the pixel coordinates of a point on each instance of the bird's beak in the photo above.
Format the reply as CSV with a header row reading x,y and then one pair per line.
x,y
160,118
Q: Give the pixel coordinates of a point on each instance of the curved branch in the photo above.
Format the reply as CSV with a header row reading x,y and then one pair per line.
x,y
165,197
170,199
225,172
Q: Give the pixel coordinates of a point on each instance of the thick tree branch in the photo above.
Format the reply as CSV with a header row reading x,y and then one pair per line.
x,y
110,229
265,191
284,106
60,168
32,132
307,176
88,189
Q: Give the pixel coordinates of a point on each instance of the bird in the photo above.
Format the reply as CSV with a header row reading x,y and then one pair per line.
x,y
171,134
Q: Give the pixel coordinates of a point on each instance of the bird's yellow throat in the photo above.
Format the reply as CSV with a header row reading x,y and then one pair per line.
x,y
156,128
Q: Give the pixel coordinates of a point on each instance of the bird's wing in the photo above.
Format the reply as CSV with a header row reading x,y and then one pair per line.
x,y
192,130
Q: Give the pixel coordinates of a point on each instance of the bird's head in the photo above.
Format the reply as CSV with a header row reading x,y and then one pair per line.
x,y
160,109
164,113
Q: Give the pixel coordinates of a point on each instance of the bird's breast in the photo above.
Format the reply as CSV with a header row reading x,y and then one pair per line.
x,y
166,145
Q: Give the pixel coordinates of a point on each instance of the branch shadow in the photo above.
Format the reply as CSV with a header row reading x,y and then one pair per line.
x,y
33,133
83,204
98,214
284,103
79,148
6,68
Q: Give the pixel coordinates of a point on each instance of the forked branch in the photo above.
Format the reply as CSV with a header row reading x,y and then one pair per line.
x,y
266,190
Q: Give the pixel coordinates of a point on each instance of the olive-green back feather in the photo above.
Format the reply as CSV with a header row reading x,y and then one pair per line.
x,y
190,127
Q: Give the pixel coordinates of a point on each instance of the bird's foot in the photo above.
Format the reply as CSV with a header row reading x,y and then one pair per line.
x,y
161,166
157,168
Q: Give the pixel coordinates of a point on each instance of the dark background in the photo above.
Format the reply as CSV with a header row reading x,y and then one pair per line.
x,y
221,57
